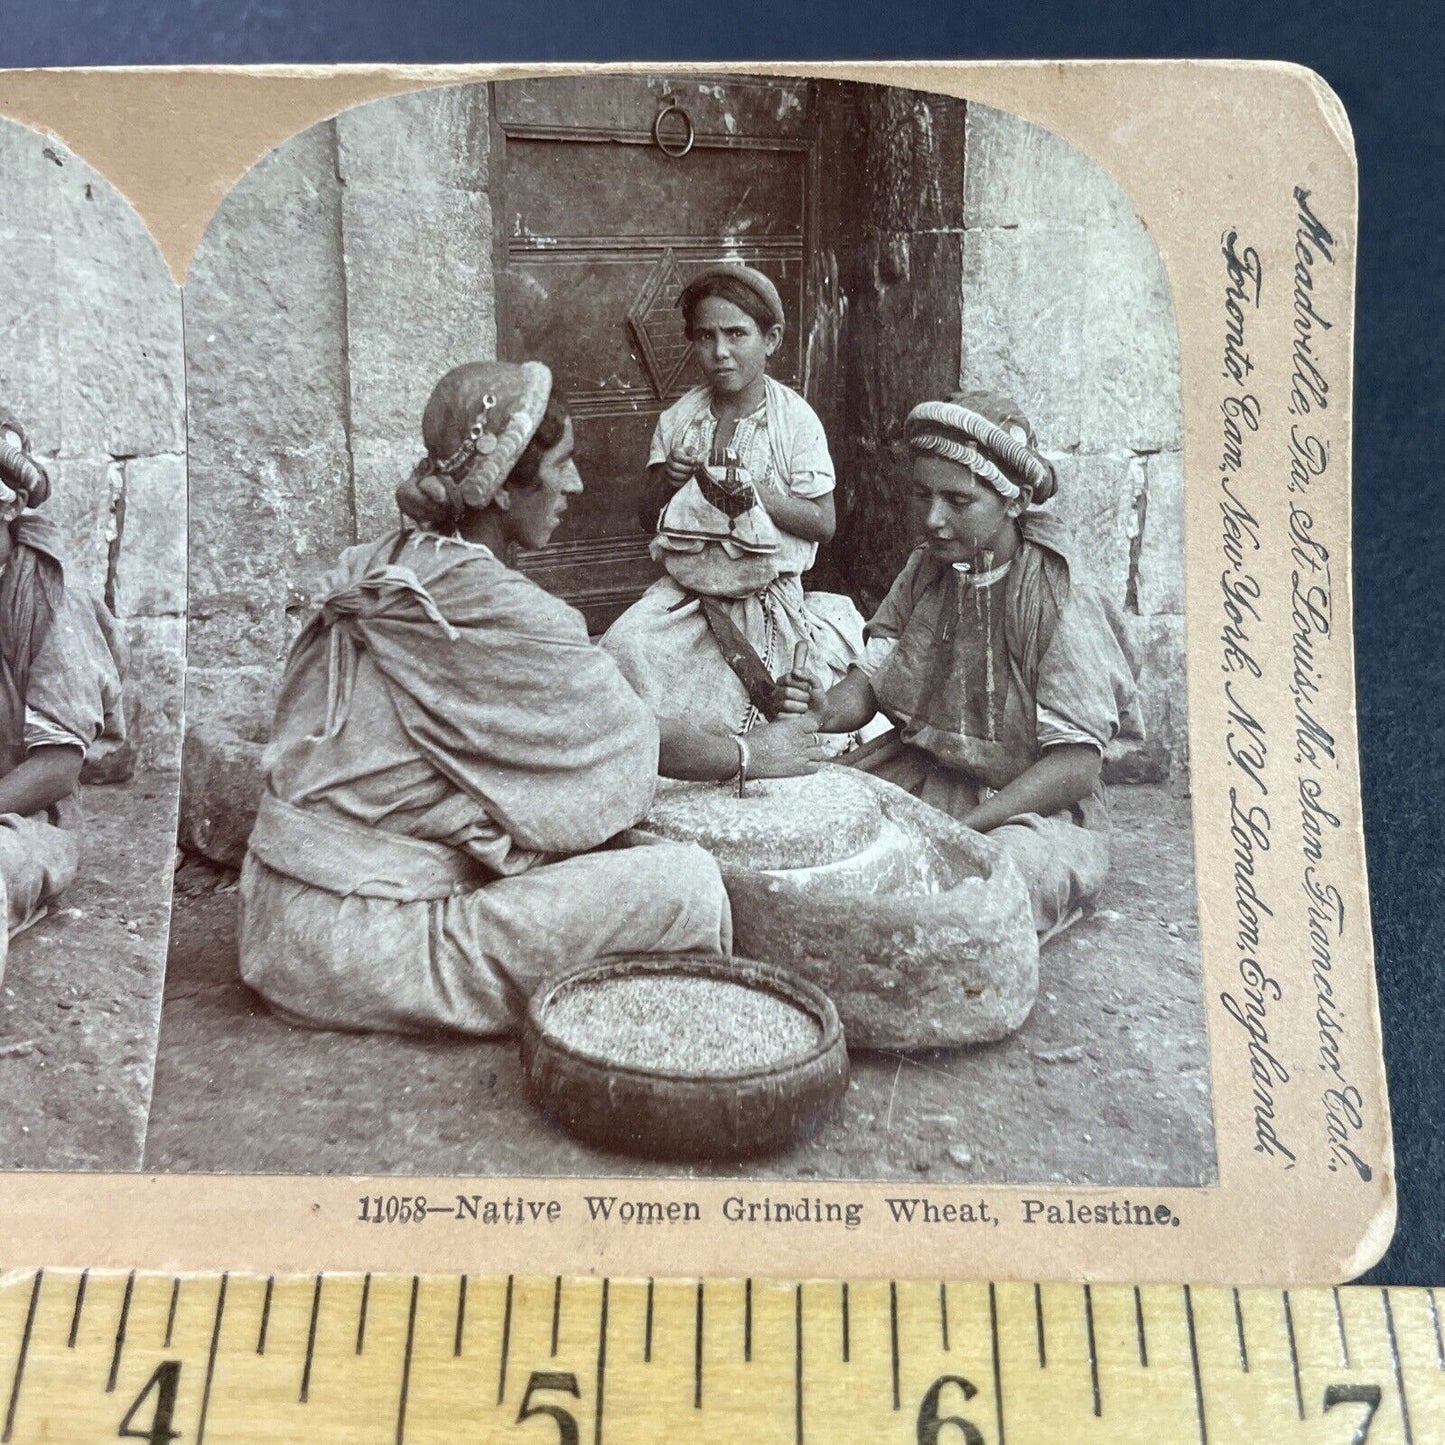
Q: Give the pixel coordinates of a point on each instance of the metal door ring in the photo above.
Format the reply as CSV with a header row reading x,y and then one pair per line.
x,y
664,146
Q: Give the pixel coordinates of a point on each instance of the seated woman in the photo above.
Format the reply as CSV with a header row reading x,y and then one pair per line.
x,y
452,756
1004,673
60,687
739,492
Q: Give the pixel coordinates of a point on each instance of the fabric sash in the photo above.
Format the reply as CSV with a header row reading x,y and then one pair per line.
x,y
739,654
329,852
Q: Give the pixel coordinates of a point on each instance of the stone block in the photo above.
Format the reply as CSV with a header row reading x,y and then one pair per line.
x,y
420,299
84,496
1097,500
150,570
437,138
1131,388
1023,325
270,474
25,171
157,671
121,374
381,466
257,553
221,786
29,342
1022,174
1163,692
1159,577
239,700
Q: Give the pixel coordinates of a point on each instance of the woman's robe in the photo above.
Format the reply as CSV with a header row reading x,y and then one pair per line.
x,y
60,686
448,748
981,675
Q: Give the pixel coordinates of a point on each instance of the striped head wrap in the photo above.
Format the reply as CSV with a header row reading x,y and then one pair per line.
x,y
991,437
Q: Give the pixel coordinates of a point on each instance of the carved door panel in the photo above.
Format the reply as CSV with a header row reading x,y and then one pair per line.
x,y
614,190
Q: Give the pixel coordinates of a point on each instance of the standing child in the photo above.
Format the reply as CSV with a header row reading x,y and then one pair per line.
x,y
739,492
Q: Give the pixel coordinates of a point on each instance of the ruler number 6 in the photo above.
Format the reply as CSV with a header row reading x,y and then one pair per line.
x,y
548,1380
164,1384
931,1425
1367,1395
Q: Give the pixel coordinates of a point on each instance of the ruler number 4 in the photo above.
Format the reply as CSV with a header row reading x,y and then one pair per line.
x,y
549,1380
1367,1395
164,1385
931,1424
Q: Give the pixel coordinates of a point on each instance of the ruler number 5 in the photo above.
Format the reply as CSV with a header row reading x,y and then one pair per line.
x,y
547,1380
931,1425
1367,1395
164,1384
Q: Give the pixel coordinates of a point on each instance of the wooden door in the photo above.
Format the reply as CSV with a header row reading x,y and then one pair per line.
x,y
600,220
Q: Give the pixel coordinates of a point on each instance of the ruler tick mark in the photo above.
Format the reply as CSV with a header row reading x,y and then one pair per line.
x,y
893,1338
845,1324
79,1305
1139,1328
310,1342
997,1364
211,1361
120,1333
1399,1371
20,1362
405,1360
556,1312
1340,1326
506,1344
1299,1398
361,1313
1194,1361
601,1365
460,1333
1239,1333
265,1315
647,1326
1093,1351
171,1313
697,1354
943,1313
1039,1327
1435,1321
798,1365
747,1318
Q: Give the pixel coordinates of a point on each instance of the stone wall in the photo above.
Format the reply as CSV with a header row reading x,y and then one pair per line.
x,y
339,278
1066,308
91,365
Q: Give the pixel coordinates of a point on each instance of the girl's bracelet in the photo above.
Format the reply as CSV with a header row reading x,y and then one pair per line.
x,y
744,757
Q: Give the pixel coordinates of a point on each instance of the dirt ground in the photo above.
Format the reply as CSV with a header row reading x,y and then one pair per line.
x,y
1106,1083
82,992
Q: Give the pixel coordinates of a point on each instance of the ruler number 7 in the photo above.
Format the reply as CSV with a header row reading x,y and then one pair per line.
x,y
1367,1395
550,1380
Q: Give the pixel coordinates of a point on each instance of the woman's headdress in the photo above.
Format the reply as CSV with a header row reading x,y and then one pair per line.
x,y
477,423
990,436
23,481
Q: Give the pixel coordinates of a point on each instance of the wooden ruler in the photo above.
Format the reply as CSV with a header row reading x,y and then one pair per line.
x,y
541,1361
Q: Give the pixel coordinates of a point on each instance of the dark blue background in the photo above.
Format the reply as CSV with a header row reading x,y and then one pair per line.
x,y
1384,63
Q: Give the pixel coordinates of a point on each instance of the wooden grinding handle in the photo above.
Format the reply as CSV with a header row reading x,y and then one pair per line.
x,y
800,657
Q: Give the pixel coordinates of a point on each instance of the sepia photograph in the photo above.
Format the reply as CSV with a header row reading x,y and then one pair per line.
x,y
685,650
92,655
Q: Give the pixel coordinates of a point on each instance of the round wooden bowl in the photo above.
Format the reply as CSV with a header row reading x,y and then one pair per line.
x,y
666,1114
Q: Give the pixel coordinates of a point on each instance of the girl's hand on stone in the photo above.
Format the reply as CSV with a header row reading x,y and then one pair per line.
x,y
787,748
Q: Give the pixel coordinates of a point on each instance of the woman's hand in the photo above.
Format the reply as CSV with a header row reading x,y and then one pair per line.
x,y
424,499
787,748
